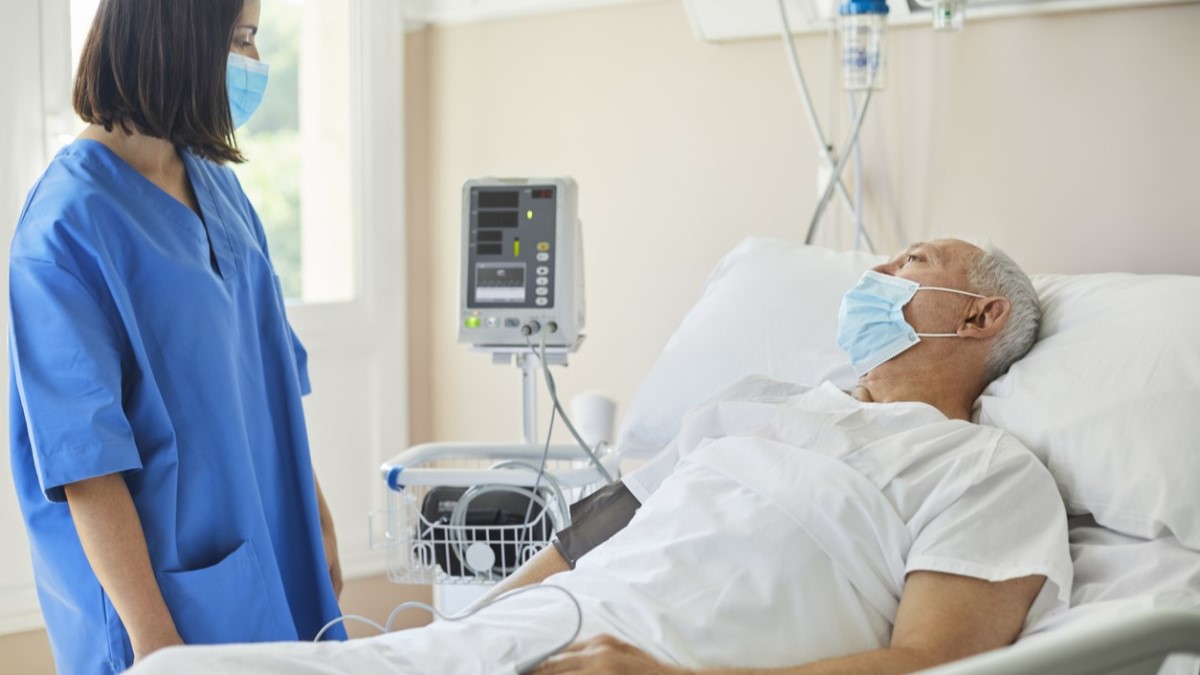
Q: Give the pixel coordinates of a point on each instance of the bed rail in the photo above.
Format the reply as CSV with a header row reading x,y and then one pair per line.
x,y
1134,644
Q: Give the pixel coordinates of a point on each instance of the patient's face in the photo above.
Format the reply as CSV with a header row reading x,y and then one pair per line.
x,y
944,263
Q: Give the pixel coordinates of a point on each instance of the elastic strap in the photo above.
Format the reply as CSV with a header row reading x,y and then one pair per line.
x,y
950,290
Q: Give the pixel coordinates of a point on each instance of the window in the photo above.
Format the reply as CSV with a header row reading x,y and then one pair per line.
x,y
297,144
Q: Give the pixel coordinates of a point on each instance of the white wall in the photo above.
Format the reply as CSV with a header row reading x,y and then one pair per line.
x,y
1070,140
22,156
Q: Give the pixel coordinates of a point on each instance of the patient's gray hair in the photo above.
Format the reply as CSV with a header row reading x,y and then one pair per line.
x,y
995,273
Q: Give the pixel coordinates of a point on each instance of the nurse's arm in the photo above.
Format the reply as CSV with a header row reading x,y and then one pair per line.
x,y
115,544
329,539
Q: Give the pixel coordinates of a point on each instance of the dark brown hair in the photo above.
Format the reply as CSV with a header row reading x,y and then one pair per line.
x,y
158,66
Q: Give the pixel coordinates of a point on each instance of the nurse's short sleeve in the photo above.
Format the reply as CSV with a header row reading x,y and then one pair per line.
x,y
1009,523
66,363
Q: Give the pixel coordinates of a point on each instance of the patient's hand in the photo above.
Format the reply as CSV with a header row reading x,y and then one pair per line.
x,y
605,654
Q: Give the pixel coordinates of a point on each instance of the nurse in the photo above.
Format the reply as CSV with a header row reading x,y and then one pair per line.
x,y
158,439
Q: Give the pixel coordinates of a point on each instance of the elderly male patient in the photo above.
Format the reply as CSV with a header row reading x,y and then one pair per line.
x,y
789,528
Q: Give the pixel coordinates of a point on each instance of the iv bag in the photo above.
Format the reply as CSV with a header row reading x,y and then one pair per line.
x,y
863,51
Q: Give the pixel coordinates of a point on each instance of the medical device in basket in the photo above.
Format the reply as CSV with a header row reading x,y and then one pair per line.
x,y
471,513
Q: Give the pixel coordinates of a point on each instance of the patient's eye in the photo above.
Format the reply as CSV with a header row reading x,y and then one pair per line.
x,y
912,257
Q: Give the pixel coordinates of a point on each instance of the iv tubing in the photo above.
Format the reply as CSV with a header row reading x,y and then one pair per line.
x,y
841,164
859,231
823,147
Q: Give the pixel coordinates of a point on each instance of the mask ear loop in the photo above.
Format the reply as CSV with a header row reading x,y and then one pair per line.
x,y
947,290
951,290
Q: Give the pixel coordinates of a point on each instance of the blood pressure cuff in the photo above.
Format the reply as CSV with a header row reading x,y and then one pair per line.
x,y
594,519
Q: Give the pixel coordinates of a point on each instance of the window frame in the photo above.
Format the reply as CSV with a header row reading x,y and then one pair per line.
x,y
377,180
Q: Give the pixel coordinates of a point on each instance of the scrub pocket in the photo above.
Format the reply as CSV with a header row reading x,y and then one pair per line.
x,y
225,602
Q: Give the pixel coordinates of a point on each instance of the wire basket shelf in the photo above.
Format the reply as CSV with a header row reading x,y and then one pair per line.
x,y
469,513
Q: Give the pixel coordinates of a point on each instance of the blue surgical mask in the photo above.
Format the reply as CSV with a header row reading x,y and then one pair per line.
x,y
246,80
871,324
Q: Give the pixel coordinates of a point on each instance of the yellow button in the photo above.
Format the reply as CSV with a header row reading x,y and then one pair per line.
x,y
529,215
471,322
543,246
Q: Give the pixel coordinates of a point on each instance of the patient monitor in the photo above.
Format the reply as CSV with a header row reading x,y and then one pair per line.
x,y
522,263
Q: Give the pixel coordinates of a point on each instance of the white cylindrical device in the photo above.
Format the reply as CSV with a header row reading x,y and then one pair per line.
x,y
595,416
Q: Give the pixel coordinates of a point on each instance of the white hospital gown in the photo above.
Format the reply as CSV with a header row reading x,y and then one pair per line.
x,y
779,526
776,530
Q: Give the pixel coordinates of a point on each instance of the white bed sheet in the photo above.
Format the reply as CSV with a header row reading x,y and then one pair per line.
x,y
1114,574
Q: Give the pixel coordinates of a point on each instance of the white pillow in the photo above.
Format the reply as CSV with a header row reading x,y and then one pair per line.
x,y
769,308
1109,399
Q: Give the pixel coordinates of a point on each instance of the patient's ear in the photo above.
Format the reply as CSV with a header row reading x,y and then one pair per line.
x,y
988,318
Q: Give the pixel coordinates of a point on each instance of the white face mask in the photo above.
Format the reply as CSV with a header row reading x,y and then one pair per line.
x,y
871,324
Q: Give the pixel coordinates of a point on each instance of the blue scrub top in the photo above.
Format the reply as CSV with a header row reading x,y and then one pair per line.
x,y
135,348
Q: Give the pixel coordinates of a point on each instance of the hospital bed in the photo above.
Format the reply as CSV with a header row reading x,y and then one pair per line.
x,y
1126,645
1107,399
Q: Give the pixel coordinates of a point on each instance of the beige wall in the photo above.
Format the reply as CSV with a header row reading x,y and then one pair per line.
x,y
1071,140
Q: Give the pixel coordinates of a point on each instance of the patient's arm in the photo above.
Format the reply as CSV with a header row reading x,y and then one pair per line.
x,y
942,618
594,519
946,617
546,563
